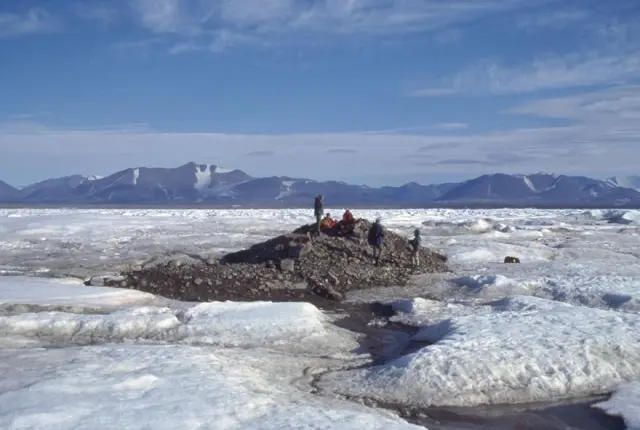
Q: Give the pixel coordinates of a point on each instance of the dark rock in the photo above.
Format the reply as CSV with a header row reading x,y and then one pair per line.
x,y
319,270
510,259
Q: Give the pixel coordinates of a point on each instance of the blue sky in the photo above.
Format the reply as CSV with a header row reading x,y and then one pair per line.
x,y
367,91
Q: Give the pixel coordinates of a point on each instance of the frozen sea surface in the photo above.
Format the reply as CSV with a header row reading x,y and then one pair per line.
x,y
522,350
211,365
562,324
167,387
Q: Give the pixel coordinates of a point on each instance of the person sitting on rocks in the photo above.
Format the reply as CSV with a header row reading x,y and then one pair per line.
x,y
415,248
347,218
327,222
376,239
318,210
347,224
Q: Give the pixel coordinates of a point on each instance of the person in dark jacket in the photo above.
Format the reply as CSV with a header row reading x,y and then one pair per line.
x,y
415,243
318,210
376,239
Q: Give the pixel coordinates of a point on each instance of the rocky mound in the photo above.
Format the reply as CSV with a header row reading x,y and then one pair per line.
x,y
295,266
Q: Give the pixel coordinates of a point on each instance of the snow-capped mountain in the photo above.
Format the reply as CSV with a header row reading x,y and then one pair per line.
x,y
626,181
188,183
212,185
541,189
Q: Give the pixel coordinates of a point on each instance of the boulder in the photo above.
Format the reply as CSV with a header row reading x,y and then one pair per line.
x,y
287,265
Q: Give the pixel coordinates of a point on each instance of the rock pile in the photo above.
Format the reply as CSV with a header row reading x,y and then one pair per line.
x,y
295,266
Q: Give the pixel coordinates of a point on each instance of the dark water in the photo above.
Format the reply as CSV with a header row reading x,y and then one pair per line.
x,y
393,340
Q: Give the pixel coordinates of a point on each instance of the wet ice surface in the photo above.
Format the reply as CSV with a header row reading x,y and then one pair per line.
x,y
531,348
521,349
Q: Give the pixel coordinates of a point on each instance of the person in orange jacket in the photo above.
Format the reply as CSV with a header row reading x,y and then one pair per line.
x,y
327,222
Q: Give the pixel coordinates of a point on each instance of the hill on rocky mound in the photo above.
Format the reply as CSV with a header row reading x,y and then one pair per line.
x,y
296,266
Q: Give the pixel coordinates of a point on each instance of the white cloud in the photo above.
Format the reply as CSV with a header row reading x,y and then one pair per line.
x,y
614,105
165,16
33,21
250,21
97,11
551,72
552,19
450,126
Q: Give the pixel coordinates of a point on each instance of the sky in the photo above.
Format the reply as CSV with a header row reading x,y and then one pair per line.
x,y
365,91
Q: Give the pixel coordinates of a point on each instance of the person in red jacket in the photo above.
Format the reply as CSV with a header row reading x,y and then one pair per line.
x,y
347,218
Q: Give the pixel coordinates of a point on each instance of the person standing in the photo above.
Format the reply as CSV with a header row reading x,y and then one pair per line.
x,y
415,243
318,210
376,239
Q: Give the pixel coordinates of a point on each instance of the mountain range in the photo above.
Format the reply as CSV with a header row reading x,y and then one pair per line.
x,y
210,185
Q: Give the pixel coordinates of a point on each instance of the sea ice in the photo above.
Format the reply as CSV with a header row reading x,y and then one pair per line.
x,y
67,293
167,387
57,312
527,349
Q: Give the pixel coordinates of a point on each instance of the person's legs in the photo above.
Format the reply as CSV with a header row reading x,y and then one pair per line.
x,y
415,259
318,221
377,252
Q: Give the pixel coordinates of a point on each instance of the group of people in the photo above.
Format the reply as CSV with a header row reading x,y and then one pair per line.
x,y
375,235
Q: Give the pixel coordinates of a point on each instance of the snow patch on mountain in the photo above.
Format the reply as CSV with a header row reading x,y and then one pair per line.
x,y
203,177
136,175
529,184
219,169
285,189
632,182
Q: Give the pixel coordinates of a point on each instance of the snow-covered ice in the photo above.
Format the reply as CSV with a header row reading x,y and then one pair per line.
x,y
57,293
167,387
562,324
211,365
527,349
295,327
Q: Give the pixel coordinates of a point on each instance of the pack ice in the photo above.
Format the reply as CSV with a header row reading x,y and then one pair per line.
x,y
523,349
124,359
